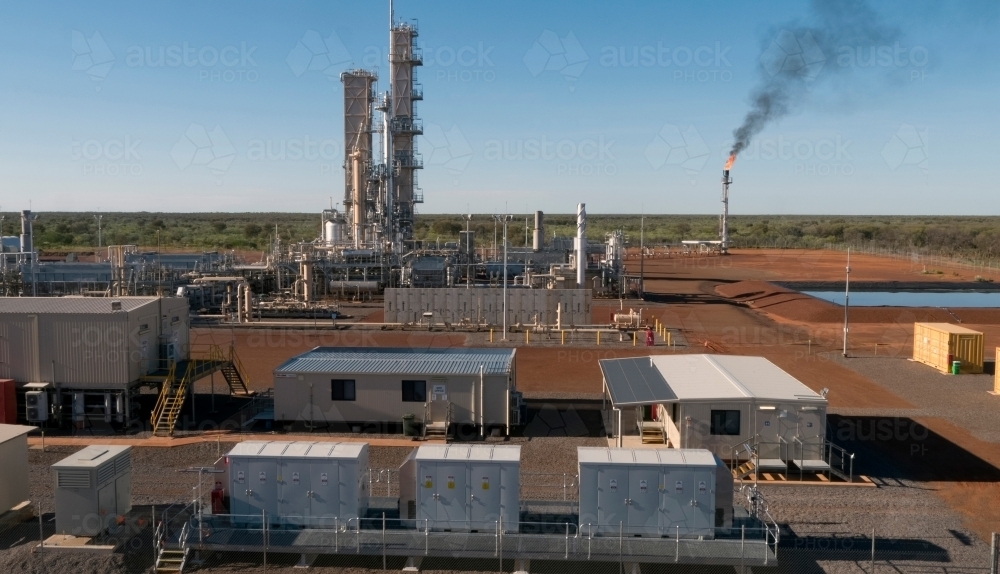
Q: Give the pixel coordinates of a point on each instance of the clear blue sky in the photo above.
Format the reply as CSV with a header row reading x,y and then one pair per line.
x,y
626,106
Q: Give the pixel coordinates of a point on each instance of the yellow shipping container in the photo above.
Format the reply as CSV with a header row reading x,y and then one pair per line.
x,y
938,344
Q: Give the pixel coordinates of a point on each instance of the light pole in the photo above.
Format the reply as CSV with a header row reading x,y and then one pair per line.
x,y
98,218
847,297
504,219
468,252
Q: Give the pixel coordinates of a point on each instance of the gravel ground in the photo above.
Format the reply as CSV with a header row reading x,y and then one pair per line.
x,y
961,399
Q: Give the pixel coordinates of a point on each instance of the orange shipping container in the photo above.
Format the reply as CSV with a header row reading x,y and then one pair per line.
x,y
938,344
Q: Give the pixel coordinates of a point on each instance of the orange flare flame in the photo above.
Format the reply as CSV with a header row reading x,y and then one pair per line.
x,y
729,162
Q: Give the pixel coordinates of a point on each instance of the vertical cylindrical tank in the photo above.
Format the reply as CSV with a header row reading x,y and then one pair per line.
x,y
26,242
538,237
581,244
328,232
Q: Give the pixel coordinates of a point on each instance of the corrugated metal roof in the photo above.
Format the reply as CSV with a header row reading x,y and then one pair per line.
x,y
366,360
650,456
8,432
87,305
701,378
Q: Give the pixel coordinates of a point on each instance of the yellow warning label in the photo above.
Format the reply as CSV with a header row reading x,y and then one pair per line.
x,y
451,482
428,482
486,483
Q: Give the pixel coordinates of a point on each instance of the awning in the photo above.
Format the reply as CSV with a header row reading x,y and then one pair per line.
x,y
635,381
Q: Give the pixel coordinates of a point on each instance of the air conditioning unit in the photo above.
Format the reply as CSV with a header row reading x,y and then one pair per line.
x,y
37,403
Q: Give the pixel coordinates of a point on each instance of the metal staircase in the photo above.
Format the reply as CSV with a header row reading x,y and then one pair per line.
x,y
652,433
182,374
235,375
171,559
437,420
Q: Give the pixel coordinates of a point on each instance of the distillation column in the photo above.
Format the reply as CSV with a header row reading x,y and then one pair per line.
x,y
404,57
359,98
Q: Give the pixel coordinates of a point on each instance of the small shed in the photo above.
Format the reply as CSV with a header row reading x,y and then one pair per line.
x,y
716,402
93,488
939,344
369,385
14,471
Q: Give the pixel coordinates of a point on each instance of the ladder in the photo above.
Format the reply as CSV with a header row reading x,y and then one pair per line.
x,y
744,470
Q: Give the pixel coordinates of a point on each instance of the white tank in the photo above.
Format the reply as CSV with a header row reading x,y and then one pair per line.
x,y
328,230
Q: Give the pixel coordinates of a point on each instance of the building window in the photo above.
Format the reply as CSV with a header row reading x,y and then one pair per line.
x,y
342,389
414,391
725,422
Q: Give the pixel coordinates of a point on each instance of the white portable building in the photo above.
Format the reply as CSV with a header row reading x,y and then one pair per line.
x,y
461,487
14,471
316,484
653,492
716,402
93,489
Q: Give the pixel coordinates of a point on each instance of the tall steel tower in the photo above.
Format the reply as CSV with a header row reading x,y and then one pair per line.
x,y
403,126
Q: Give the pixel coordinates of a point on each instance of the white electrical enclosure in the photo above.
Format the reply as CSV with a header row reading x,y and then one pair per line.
x,y
93,488
652,492
461,487
309,484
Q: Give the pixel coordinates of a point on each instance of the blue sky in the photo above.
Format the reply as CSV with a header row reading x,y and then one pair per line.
x,y
537,105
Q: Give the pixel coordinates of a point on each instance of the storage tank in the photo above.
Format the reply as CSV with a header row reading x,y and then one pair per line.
x,y
315,484
93,488
461,487
653,492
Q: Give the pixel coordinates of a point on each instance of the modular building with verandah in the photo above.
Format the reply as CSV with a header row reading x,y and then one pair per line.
x,y
442,388
718,403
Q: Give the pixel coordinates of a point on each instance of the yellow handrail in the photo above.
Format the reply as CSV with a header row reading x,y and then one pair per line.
x,y
161,401
238,365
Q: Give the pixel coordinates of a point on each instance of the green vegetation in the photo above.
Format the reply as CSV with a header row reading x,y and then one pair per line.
x,y
977,237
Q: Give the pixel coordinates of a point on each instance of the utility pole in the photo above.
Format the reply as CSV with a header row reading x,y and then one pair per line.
x,y
642,256
504,219
847,297
98,218
468,252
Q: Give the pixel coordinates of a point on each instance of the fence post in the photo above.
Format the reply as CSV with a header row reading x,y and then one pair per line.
x,y
873,551
993,552
677,545
263,532
621,562
383,541
566,554
743,540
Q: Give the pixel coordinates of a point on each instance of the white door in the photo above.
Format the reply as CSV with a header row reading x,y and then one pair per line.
x,y
675,505
262,488
239,490
612,492
643,499
349,490
324,497
810,424
426,494
293,492
452,496
703,502
484,500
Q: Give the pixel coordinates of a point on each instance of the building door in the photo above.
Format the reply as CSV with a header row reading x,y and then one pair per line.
x,y
263,488
768,431
451,495
239,489
675,502
324,487
427,494
643,503
612,492
293,489
703,502
810,424
484,500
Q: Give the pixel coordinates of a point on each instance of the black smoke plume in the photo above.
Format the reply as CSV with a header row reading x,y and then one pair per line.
x,y
795,58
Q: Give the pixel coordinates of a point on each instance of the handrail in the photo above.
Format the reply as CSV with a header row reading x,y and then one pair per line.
x,y
161,401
